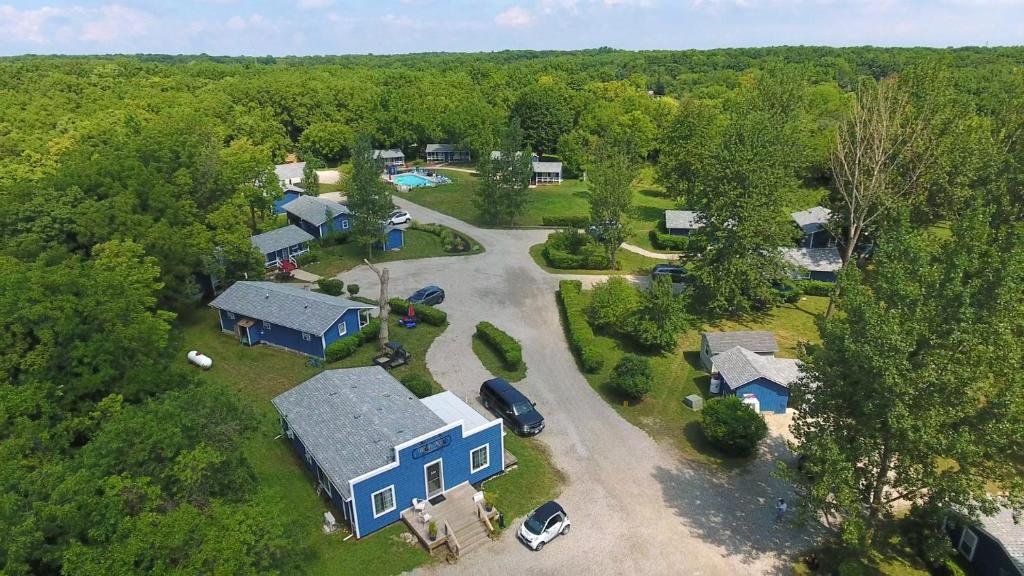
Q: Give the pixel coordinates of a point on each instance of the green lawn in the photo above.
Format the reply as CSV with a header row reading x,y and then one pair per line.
x,y
629,263
494,364
890,556
336,259
533,482
679,374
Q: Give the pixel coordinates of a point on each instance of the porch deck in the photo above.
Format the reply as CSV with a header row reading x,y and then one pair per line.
x,y
457,517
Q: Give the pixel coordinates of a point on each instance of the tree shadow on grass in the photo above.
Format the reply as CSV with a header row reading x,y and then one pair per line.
x,y
655,193
649,213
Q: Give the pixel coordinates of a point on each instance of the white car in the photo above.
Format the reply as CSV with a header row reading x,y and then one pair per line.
x,y
543,525
398,217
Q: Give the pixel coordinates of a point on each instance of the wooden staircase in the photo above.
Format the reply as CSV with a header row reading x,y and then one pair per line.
x,y
470,535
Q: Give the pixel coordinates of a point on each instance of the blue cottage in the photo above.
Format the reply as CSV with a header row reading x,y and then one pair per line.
x,y
993,546
291,192
288,316
394,238
820,264
318,216
375,450
281,245
753,376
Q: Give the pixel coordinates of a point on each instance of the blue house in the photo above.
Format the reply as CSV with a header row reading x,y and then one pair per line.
x,y
288,316
994,546
318,216
394,238
282,244
291,192
375,450
752,376
813,224
820,264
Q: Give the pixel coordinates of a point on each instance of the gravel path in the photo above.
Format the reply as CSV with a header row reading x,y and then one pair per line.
x,y
670,256
636,507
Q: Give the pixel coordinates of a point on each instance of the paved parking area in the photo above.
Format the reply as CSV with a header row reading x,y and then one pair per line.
x,y
636,507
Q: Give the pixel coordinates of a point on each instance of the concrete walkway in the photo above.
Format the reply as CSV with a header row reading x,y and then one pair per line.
x,y
636,506
669,256
328,176
304,276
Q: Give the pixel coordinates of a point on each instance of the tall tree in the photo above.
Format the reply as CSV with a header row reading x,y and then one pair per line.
x,y
310,179
546,112
249,171
369,197
503,189
610,194
915,395
689,146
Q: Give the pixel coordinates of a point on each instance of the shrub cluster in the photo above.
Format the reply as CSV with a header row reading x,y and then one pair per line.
x,y
816,287
331,286
633,376
566,221
662,241
581,337
451,240
731,426
306,258
417,384
506,346
572,249
353,289
345,347
334,238
428,314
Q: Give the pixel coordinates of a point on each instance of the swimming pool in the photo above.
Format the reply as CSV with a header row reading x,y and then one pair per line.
x,y
412,180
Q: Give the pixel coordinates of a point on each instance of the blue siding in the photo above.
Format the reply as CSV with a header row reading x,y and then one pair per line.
x,y
773,398
341,224
823,276
990,558
280,202
351,321
409,480
292,339
819,239
679,231
394,239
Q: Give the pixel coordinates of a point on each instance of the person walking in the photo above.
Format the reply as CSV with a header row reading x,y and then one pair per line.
x,y
780,509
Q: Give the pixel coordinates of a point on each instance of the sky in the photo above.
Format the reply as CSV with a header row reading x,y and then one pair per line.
x,y
303,27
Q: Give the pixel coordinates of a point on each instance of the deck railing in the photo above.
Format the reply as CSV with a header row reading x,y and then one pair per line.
x,y
453,542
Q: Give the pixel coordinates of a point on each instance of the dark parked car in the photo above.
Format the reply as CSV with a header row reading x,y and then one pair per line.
x,y
395,356
431,296
513,406
675,272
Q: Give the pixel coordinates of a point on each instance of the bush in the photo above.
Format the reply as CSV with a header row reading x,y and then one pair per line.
x,y
662,241
428,314
731,426
343,347
353,289
660,318
281,276
331,286
566,221
506,346
334,238
371,330
306,258
612,303
581,337
451,240
418,385
633,376
571,249
816,287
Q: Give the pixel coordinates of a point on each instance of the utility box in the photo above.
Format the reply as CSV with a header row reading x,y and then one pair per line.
x,y
694,402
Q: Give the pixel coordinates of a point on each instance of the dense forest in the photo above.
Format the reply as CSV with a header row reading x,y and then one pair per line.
x,y
122,177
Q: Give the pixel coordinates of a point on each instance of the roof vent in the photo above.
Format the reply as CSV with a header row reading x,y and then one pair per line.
x,y
356,416
266,295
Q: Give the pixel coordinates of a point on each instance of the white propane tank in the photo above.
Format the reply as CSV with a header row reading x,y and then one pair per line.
x,y
752,401
200,359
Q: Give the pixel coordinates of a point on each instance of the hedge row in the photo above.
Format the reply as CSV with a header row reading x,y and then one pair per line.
x,y
345,347
506,346
591,257
428,314
816,287
662,241
452,241
581,337
567,221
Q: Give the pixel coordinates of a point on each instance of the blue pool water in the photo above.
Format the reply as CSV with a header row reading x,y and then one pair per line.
x,y
411,180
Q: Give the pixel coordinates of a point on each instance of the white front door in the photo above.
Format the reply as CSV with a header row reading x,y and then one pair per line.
x,y
435,478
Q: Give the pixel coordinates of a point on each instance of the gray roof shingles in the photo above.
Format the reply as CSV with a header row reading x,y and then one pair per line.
x,y
291,171
547,167
738,366
759,342
681,220
814,259
441,148
284,305
389,153
812,219
350,420
313,209
1010,534
280,238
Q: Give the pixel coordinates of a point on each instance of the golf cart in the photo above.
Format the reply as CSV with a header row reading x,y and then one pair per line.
x,y
394,356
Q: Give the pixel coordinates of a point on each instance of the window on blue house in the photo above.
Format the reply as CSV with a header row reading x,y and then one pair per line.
x,y
342,329
344,224
231,315
968,542
266,326
480,458
307,336
383,501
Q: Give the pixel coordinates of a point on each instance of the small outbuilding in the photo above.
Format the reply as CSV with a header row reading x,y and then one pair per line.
x,y
446,153
394,238
546,172
820,264
766,378
318,216
282,244
289,174
391,157
813,224
681,222
714,343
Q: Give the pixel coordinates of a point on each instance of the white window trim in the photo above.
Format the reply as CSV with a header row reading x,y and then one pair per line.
x,y
373,501
307,337
973,544
487,458
426,487
344,224
267,326
231,315
342,329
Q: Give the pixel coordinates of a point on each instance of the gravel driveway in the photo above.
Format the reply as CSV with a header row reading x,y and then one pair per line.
x,y
636,507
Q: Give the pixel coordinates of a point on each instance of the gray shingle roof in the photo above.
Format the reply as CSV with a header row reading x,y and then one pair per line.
x,y
389,153
350,420
441,148
274,240
313,209
759,342
739,366
812,219
285,305
681,220
547,167
814,259
1009,534
292,171
496,155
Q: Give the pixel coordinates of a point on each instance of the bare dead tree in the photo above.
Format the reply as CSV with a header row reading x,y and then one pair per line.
x,y
880,156
382,305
